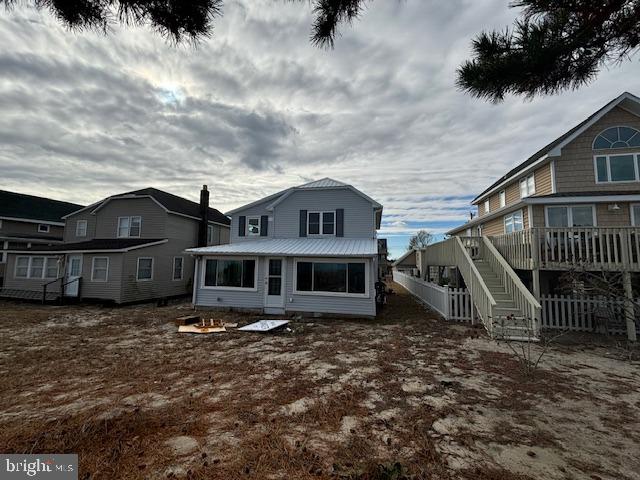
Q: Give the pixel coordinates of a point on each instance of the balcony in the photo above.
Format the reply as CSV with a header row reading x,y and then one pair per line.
x,y
591,248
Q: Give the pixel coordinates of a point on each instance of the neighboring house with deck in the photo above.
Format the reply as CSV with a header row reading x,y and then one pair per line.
x,y
125,248
573,205
311,248
27,220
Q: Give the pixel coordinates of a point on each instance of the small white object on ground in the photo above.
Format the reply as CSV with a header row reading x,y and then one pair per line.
x,y
263,325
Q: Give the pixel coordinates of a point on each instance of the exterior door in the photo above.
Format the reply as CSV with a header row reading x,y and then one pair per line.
x,y
274,285
73,272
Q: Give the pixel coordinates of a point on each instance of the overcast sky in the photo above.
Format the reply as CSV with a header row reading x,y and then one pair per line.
x,y
257,108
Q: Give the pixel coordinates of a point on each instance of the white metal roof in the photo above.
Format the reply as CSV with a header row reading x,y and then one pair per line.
x,y
323,183
308,247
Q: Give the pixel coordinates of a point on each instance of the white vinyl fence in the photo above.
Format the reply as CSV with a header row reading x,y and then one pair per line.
x,y
559,312
585,314
451,303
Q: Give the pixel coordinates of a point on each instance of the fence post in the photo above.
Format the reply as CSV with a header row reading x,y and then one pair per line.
x,y
447,303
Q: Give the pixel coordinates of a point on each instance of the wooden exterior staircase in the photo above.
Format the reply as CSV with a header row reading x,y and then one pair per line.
x,y
506,307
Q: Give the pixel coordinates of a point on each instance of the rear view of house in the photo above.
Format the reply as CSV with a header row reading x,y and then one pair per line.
x,y
125,248
26,220
311,248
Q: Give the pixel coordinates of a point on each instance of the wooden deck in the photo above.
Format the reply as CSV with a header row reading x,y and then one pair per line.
x,y
591,248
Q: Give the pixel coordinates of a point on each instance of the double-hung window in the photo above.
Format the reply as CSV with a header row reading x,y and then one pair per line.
x,y
178,264
503,198
321,223
527,186
144,271
253,226
332,278
81,228
36,267
487,206
617,168
229,273
513,222
100,269
129,227
570,216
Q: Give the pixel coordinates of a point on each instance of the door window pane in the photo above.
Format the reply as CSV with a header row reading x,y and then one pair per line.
x,y
275,267
275,285
357,281
304,276
145,268
330,277
74,268
557,217
622,168
582,216
314,224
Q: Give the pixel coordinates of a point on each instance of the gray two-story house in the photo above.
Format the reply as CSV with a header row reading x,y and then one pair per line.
x,y
125,248
311,248
27,220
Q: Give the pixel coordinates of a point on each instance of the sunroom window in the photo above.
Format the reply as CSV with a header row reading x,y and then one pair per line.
x,y
331,277
229,273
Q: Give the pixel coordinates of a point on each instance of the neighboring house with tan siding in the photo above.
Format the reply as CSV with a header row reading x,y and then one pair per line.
x,y
125,248
27,220
574,204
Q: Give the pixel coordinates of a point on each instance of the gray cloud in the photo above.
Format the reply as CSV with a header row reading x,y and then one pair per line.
x,y
256,108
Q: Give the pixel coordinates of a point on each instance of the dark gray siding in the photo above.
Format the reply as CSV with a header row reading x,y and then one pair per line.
x,y
71,223
109,290
10,282
154,217
26,229
358,212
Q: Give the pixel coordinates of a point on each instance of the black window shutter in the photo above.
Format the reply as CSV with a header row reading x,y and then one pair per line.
x,y
264,225
242,225
340,222
303,223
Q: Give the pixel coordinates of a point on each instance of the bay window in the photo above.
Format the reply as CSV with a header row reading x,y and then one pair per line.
x,y
334,278
229,273
570,216
513,222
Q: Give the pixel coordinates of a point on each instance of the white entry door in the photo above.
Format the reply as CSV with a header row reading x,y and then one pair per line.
x,y
73,272
274,285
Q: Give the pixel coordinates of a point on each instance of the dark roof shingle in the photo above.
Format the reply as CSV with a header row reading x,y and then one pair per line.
x,y
181,205
101,244
19,205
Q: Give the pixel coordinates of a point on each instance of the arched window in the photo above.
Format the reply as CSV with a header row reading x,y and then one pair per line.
x,y
617,137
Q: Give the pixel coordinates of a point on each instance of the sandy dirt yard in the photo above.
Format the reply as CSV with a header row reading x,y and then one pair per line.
x,y
406,396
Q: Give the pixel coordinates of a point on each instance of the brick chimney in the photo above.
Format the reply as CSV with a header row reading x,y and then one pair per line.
x,y
204,217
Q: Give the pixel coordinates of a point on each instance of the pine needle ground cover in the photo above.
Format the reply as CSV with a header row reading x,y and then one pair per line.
x,y
405,396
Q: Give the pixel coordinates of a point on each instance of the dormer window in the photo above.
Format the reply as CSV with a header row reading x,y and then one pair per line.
x,y
321,223
527,186
129,227
253,226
